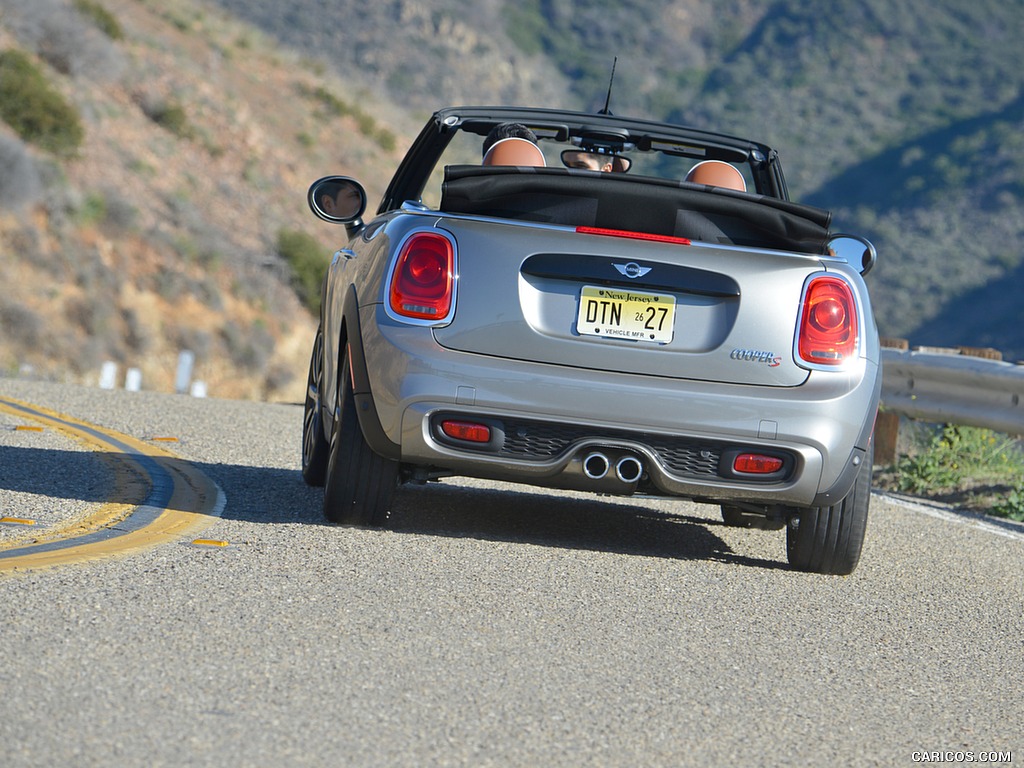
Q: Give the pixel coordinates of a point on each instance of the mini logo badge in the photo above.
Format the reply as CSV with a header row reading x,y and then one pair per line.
x,y
632,270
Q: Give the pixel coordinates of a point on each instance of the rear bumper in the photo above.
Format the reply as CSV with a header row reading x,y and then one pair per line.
x,y
822,426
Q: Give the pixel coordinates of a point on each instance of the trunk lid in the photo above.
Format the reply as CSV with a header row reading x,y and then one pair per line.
x,y
684,311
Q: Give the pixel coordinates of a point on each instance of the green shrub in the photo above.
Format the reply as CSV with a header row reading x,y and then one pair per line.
x,y
365,122
526,25
69,39
93,209
34,109
936,468
307,260
104,20
978,462
1013,505
385,139
957,454
334,106
171,117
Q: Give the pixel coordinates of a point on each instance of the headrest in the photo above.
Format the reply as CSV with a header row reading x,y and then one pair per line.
x,y
514,151
715,173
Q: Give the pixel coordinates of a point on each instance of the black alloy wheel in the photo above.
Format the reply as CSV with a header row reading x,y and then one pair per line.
x,y
315,448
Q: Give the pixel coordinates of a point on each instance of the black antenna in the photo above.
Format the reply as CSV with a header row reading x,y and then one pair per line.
x,y
608,98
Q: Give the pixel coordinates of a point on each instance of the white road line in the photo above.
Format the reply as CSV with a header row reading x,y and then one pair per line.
x,y
1007,528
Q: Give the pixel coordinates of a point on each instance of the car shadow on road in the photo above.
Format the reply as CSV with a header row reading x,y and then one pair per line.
x,y
598,523
256,494
509,514
271,495
77,475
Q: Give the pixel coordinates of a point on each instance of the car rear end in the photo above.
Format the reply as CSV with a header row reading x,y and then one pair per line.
x,y
620,362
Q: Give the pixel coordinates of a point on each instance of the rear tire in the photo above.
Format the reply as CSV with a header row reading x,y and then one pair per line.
x,y
360,484
315,448
829,539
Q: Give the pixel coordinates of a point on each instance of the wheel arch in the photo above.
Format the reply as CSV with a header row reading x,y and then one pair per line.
x,y
350,336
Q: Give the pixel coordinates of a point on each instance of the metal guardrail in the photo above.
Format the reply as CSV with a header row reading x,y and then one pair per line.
x,y
954,387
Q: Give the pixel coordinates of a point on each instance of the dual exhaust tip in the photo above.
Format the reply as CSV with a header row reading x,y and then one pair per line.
x,y
597,465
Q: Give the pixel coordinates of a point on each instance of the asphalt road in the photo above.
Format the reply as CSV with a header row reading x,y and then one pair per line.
x,y
492,626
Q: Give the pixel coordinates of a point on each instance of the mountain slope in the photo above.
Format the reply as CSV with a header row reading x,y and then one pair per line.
x,y
414,51
160,235
904,118
878,107
948,207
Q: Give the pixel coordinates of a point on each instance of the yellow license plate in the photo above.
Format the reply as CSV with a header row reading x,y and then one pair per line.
x,y
624,314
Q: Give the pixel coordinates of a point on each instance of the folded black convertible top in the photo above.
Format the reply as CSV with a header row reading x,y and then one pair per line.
x,y
637,204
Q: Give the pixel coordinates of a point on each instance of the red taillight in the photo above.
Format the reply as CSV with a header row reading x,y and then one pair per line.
x,y
423,282
466,430
828,323
756,464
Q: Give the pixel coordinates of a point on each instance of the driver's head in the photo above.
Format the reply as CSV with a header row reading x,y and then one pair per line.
x,y
507,131
340,200
587,161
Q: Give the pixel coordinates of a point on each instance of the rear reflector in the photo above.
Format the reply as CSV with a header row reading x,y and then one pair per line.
x,y
466,430
756,464
632,235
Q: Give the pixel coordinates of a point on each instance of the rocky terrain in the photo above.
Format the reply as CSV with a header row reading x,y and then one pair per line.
x,y
156,235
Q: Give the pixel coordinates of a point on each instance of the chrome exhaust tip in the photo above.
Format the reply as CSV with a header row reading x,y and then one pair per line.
x,y
629,469
596,465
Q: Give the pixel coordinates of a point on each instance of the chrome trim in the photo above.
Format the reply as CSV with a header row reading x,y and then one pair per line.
x,y
416,206
629,469
596,465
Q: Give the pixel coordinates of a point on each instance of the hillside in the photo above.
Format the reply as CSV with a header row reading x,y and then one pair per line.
x,y
203,121
901,115
904,118
158,235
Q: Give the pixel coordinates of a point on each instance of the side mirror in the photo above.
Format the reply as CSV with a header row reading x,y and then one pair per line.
x,y
854,250
339,200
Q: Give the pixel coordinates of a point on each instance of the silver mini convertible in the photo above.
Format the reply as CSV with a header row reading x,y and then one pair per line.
x,y
596,303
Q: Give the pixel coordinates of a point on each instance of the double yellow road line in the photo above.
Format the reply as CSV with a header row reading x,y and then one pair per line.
x,y
157,497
